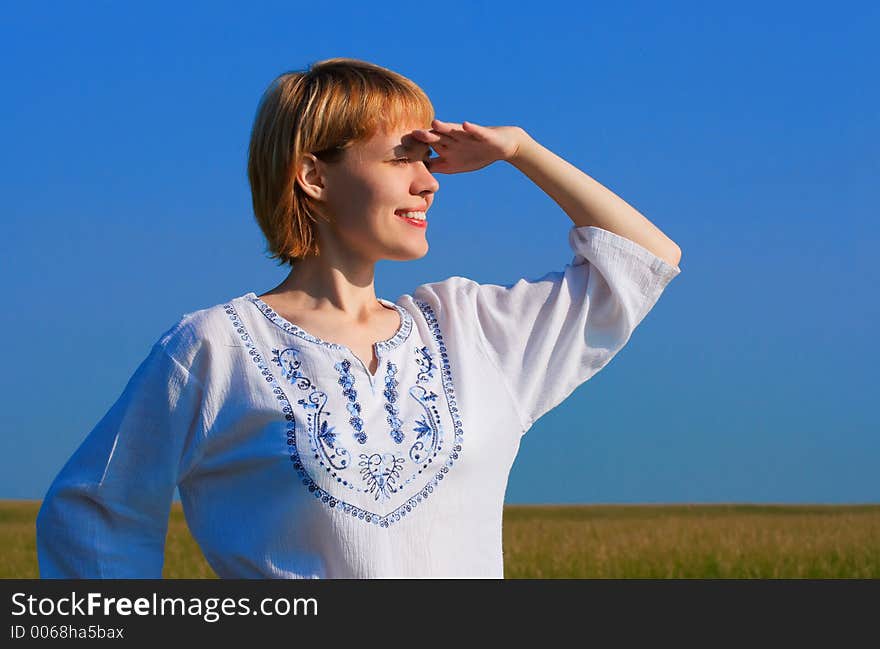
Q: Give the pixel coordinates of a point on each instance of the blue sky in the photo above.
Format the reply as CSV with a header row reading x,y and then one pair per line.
x,y
749,135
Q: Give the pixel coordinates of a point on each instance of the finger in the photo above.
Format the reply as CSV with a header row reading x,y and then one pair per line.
x,y
438,142
445,128
427,136
437,165
458,132
475,130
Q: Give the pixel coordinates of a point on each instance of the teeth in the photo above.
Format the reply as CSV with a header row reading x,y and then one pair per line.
x,y
414,215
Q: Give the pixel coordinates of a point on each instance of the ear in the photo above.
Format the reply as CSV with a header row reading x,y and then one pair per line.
x,y
310,176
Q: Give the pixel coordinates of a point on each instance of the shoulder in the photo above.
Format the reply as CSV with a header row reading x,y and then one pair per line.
x,y
458,294
198,336
449,294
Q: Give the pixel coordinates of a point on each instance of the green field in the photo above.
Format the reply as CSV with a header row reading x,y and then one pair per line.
x,y
602,541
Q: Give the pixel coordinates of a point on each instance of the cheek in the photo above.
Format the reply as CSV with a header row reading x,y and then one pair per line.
x,y
381,200
366,211
364,201
350,200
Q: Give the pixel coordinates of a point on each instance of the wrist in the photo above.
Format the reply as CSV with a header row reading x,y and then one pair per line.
x,y
524,142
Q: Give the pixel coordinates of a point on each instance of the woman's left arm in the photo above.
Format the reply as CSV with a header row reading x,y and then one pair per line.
x,y
468,146
543,337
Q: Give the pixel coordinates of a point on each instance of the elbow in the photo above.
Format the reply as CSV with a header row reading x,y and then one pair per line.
x,y
672,256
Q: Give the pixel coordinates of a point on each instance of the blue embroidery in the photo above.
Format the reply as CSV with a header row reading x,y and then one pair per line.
x,y
425,362
391,398
381,473
428,429
321,435
346,380
326,435
401,335
305,404
291,371
324,441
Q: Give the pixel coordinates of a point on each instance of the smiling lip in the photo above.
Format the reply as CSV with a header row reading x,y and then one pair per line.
x,y
415,222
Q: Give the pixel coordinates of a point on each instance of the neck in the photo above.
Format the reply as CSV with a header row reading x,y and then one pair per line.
x,y
316,284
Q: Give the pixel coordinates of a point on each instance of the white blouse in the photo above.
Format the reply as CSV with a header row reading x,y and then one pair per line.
x,y
293,461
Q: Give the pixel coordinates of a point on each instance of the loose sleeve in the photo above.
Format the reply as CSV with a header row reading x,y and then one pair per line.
x,y
550,335
106,513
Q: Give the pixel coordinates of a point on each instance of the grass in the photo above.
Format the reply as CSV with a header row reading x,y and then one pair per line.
x,y
601,541
692,541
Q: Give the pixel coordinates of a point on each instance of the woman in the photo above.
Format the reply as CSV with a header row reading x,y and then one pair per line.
x,y
319,431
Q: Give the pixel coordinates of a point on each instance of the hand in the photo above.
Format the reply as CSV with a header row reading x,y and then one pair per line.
x,y
468,146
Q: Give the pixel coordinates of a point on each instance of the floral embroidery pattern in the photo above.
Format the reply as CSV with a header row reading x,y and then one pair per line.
x,y
346,380
289,363
390,399
427,429
379,472
321,434
424,360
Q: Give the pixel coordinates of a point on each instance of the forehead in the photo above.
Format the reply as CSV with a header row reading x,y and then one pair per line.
x,y
397,140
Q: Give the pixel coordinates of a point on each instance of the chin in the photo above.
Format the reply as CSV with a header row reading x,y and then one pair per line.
x,y
410,255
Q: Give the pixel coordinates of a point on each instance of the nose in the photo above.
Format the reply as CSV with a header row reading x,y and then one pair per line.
x,y
424,182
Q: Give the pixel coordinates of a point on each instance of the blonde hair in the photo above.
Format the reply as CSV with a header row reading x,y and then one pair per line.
x,y
322,110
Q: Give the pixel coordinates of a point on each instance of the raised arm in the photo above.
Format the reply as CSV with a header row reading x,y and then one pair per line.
x,y
468,146
546,336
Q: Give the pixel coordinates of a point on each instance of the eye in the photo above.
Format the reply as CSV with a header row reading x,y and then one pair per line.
x,y
403,161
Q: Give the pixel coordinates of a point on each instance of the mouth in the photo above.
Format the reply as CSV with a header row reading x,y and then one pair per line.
x,y
416,219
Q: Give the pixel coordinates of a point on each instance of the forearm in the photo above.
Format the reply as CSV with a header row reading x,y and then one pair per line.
x,y
587,202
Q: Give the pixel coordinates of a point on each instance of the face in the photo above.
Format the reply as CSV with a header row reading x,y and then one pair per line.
x,y
365,192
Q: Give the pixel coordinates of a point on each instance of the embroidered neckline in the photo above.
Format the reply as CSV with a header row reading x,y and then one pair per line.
x,y
399,337
324,437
